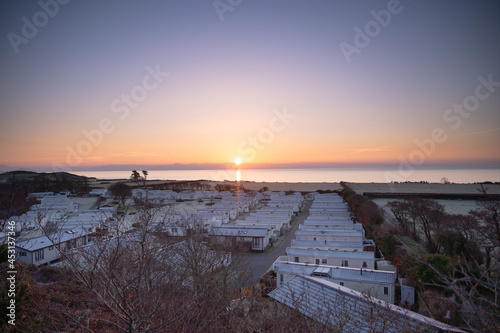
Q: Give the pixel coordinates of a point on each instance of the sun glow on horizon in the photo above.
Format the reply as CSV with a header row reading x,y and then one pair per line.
x,y
237,161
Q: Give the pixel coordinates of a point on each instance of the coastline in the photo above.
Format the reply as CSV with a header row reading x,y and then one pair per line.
x,y
358,187
249,185
423,188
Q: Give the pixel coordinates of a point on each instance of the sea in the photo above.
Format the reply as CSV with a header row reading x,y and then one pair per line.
x,y
314,175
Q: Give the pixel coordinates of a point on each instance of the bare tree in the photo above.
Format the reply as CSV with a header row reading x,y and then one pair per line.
x,y
140,180
402,215
475,292
420,216
121,191
431,219
148,281
135,175
488,216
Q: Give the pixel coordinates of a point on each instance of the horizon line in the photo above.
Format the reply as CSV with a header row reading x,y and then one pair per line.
x,y
231,165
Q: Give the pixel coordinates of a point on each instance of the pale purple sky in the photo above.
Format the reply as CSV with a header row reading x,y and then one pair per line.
x,y
228,79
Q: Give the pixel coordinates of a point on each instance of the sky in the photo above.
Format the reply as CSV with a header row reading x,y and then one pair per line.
x,y
91,83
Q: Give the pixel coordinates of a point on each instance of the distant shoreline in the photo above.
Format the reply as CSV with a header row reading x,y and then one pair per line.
x,y
374,189
467,191
470,190
249,185
312,175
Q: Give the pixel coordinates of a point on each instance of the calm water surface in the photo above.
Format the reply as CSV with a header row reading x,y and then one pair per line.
x,y
317,175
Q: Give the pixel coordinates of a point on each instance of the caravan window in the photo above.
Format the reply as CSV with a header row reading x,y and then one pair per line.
x,y
325,275
39,255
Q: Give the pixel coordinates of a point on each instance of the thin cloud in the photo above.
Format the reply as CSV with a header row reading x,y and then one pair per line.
x,y
482,132
134,154
370,150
